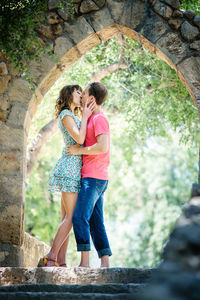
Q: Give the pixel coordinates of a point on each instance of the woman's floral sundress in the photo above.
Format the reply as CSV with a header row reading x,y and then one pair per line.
x,y
66,175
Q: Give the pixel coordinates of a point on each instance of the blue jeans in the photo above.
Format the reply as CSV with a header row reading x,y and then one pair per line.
x,y
88,217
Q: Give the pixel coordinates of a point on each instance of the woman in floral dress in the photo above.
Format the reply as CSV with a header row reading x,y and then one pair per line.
x,y
66,175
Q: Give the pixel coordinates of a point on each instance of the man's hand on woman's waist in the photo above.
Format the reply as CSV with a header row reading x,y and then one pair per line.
x,y
100,147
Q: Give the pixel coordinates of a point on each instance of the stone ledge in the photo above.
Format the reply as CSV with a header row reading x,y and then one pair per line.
x,y
33,250
55,275
111,288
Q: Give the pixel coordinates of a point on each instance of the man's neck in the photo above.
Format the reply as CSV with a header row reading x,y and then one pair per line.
x,y
97,109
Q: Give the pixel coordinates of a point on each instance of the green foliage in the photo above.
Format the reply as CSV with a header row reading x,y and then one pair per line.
x,y
190,4
18,41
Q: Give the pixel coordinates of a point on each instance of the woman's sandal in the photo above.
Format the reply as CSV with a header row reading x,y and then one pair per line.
x,y
63,265
45,259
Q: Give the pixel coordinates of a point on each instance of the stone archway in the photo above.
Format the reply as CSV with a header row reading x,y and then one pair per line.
x,y
159,26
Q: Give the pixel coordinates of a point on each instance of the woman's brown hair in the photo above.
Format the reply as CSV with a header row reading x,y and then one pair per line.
x,y
65,98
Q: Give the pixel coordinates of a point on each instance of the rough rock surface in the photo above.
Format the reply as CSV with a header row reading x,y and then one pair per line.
x,y
189,32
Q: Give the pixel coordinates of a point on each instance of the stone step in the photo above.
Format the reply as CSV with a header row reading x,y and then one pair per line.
x,y
61,296
108,288
55,275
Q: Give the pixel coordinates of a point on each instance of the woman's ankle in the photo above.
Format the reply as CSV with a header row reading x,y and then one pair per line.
x,y
51,256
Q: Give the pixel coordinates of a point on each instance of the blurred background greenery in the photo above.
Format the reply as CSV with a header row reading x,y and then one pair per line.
x,y
154,153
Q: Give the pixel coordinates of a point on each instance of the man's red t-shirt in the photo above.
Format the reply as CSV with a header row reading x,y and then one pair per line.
x,y
96,166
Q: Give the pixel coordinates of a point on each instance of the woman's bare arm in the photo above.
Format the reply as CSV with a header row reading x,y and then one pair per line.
x,y
72,128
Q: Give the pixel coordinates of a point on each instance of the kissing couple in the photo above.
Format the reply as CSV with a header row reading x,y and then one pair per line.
x,y
81,174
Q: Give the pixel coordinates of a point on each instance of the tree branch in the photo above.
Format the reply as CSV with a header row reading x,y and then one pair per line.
x,y
99,75
34,148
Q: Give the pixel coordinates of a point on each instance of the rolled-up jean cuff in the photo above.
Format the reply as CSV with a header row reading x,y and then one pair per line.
x,y
83,247
103,252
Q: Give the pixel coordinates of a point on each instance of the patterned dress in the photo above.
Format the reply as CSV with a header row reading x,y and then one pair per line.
x,y
66,175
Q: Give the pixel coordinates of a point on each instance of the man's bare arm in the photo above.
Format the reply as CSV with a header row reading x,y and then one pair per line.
x,y
100,147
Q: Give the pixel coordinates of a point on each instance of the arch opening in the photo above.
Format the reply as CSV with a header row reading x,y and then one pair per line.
x,y
153,207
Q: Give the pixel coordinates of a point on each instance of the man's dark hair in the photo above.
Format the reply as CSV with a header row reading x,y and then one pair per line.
x,y
99,91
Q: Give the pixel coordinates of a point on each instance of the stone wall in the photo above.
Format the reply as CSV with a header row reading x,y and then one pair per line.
x,y
28,255
160,26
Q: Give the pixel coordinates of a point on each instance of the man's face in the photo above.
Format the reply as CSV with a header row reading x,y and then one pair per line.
x,y
85,95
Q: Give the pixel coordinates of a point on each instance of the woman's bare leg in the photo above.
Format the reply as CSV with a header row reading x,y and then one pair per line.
x,y
69,203
61,258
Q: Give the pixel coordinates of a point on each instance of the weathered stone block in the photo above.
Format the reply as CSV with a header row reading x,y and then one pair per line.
x,y
12,70
11,256
116,9
72,276
20,91
4,83
133,14
17,115
11,222
173,47
192,79
99,3
197,21
53,4
173,3
39,69
53,18
154,28
189,14
3,115
57,29
11,188
11,162
62,45
189,32
11,137
45,31
195,45
163,10
175,23
101,19
177,14
3,69
79,29
4,103
88,6
64,15
33,250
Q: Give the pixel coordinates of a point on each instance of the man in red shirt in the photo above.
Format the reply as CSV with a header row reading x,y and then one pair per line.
x,y
88,215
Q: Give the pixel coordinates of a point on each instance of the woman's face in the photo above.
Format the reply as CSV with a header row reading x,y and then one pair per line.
x,y
77,95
